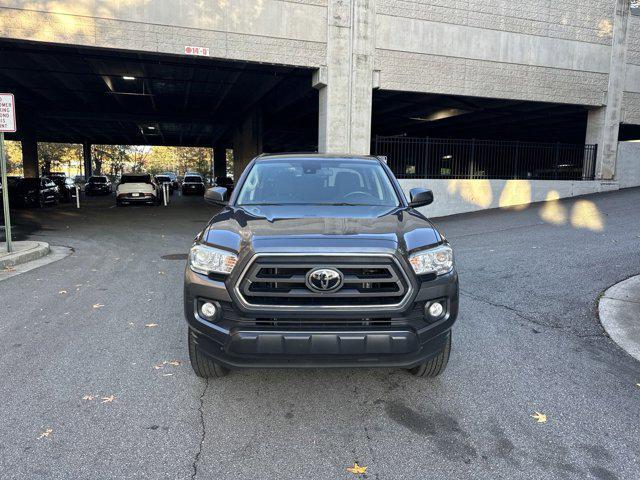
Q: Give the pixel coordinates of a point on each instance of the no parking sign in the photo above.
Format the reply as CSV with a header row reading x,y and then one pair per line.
x,y
7,124
7,113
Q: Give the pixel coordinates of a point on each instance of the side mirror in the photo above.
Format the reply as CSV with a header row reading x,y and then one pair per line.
x,y
420,197
216,195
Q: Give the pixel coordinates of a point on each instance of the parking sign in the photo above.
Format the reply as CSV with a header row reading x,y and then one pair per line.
x,y
7,113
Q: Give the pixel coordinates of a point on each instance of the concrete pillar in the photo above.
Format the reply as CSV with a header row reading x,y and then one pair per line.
x,y
88,164
219,162
30,157
345,83
603,123
247,142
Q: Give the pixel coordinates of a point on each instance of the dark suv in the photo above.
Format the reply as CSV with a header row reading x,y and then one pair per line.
x,y
319,260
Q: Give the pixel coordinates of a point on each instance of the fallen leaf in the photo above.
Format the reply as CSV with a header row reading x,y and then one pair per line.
x,y
151,325
62,292
8,269
162,273
357,469
167,374
88,397
46,433
638,385
108,399
98,305
131,323
159,366
540,417
175,363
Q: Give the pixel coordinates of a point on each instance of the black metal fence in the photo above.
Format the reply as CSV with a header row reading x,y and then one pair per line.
x,y
411,157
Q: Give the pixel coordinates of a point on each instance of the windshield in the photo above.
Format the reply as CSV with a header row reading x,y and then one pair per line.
x,y
135,179
192,180
302,181
98,180
162,179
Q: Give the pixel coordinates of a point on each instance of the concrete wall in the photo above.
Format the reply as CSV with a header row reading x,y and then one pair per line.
x,y
536,50
462,196
631,100
628,167
289,32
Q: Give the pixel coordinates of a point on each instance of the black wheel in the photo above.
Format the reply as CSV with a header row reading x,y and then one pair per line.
x,y
436,365
41,202
202,365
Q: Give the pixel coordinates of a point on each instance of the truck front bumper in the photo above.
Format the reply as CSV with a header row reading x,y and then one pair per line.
x,y
233,339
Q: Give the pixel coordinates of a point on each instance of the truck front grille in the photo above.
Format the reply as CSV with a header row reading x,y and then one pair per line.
x,y
279,282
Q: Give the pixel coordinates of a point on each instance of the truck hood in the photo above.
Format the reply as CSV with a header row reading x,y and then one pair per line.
x,y
294,228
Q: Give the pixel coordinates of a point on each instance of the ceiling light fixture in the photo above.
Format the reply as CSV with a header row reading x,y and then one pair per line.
x,y
128,77
441,115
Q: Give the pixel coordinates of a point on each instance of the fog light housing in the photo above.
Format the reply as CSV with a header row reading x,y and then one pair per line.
x,y
209,310
435,310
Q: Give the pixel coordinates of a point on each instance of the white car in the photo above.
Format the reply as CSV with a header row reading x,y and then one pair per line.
x,y
137,188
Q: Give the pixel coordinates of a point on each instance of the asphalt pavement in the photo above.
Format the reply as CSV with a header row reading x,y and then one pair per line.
x,y
95,380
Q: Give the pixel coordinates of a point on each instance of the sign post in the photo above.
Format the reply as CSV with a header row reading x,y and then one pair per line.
x,y
7,124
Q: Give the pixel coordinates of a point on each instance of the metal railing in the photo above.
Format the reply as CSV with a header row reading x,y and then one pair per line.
x,y
412,157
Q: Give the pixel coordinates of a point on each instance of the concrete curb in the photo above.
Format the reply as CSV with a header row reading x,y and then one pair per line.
x,y
24,252
619,310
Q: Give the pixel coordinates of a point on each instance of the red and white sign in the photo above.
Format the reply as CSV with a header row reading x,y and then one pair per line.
x,y
7,113
199,51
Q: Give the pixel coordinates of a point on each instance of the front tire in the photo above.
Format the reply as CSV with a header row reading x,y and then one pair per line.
x,y
204,366
436,365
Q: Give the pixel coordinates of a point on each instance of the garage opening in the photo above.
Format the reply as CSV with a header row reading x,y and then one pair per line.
x,y
89,96
443,136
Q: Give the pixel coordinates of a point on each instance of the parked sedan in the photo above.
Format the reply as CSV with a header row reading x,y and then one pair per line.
x,y
98,185
161,179
66,187
174,179
193,185
34,192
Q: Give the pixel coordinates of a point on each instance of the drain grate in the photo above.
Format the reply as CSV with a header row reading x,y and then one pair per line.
x,y
174,256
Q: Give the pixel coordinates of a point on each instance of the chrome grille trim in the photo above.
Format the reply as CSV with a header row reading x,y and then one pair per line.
x,y
404,294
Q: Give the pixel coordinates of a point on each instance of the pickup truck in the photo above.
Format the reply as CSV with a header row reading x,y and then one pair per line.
x,y
319,261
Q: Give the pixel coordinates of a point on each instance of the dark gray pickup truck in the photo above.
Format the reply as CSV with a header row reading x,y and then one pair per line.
x,y
319,260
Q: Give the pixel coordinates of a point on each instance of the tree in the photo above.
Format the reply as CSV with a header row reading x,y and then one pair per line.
x,y
57,155
13,154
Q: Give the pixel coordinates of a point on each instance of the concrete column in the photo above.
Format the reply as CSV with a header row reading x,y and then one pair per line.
x,y
30,157
247,142
603,123
219,162
88,164
345,84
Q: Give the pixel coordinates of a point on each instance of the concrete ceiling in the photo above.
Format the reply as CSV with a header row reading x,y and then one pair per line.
x,y
76,94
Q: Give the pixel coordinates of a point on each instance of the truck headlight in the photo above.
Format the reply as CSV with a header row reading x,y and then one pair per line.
x,y
205,260
438,260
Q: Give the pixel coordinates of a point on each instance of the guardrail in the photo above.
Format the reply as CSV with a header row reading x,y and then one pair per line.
x,y
413,157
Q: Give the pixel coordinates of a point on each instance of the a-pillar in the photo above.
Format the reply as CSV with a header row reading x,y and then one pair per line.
x,y
247,142
603,123
219,161
30,157
345,83
86,156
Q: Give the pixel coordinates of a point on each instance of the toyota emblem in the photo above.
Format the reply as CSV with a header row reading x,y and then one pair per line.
x,y
324,280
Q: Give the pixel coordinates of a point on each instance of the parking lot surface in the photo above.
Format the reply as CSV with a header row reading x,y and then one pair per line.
x,y
95,379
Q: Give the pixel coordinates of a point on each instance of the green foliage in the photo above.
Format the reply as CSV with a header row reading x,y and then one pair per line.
x,y
13,154
54,157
